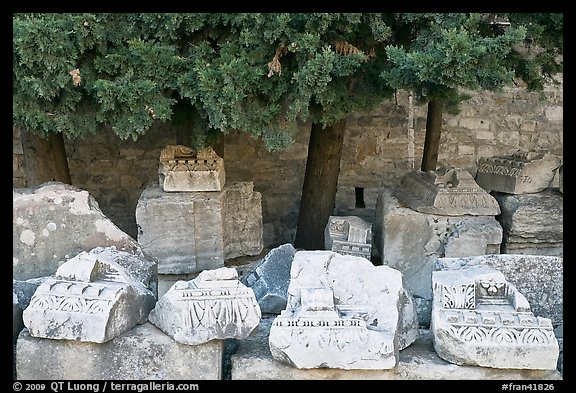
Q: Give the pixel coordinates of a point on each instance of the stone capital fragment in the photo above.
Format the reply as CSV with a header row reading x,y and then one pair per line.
x,y
91,298
446,191
342,312
480,319
519,173
214,305
184,169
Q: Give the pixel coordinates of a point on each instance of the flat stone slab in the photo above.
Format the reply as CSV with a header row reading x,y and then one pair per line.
x,y
253,361
143,353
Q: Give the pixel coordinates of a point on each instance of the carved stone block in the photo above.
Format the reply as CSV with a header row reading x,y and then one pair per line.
x,y
92,298
480,319
183,169
349,235
214,305
447,191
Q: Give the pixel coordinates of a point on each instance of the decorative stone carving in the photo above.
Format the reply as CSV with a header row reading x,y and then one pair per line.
x,y
92,298
349,235
342,312
183,169
214,305
447,192
478,318
519,173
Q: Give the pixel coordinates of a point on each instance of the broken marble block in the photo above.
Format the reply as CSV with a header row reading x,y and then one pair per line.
x,y
214,305
342,312
348,235
480,319
91,298
519,173
270,277
54,221
446,191
184,169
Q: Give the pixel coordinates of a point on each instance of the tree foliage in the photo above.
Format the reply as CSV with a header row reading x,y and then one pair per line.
x,y
440,55
261,73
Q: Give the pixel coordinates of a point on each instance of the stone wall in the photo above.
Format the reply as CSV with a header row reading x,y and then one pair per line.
x,y
379,148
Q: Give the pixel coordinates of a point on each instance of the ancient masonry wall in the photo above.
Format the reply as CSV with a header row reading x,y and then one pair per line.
x,y
379,148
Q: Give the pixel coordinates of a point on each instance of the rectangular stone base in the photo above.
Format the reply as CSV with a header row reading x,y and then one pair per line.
x,y
143,353
253,361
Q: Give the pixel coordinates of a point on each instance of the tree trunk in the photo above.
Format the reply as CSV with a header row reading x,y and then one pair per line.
x,y
44,158
320,183
432,140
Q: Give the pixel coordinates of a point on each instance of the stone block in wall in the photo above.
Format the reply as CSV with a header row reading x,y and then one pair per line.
x,y
142,353
188,232
532,223
54,222
411,241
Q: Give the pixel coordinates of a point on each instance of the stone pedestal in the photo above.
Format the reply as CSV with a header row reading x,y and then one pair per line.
x,y
143,353
188,232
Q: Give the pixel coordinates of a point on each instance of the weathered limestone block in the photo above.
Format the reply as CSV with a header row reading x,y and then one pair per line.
x,y
214,305
519,173
533,224
142,353
411,241
539,278
92,298
342,312
188,232
446,191
480,319
253,360
348,235
270,277
184,169
54,222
